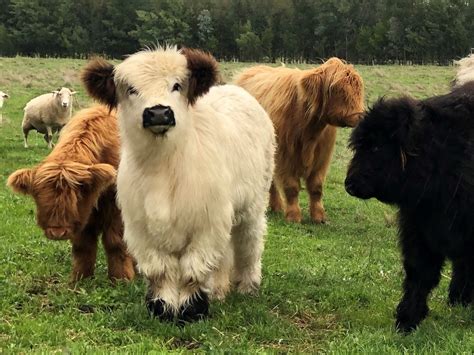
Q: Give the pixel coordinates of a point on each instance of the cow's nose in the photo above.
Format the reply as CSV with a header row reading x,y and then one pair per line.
x,y
57,233
158,116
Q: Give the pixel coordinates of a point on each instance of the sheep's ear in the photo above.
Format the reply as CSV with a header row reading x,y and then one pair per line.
x,y
21,180
98,78
73,92
203,72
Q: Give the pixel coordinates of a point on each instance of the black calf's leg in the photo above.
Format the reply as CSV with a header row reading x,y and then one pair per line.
x,y
422,274
461,288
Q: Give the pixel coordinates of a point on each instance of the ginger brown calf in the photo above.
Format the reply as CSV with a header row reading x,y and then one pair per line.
x,y
74,192
305,106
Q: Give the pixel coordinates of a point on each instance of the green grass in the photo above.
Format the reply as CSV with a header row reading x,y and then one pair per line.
x,y
329,288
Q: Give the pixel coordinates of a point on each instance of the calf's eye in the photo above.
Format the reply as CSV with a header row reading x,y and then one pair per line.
x,y
176,87
132,91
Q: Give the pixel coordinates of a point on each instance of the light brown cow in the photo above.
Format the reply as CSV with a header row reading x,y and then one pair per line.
x,y
74,191
305,107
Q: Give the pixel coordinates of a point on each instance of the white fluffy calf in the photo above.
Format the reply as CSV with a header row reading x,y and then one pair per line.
x,y
47,114
193,180
465,71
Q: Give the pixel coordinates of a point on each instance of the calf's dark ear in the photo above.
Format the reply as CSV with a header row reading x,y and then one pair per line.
x,y
204,72
397,115
98,79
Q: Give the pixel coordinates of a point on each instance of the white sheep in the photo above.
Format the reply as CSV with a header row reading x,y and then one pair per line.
x,y
194,176
3,96
465,71
47,114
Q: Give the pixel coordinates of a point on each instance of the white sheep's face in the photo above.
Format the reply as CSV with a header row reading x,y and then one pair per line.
x,y
151,93
64,97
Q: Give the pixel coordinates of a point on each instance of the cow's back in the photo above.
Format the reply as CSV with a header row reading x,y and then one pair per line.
x,y
90,137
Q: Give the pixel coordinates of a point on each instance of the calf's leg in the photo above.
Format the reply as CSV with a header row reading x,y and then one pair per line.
x,y
84,253
291,189
220,279
163,289
248,243
159,267
422,274
119,262
461,288
315,180
202,257
276,204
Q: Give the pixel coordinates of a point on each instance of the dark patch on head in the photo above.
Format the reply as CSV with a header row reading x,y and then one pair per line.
x,y
204,72
98,79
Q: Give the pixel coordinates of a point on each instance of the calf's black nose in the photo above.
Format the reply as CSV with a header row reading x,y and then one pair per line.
x,y
158,116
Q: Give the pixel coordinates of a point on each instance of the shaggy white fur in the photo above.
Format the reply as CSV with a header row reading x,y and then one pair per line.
x,y
465,71
195,197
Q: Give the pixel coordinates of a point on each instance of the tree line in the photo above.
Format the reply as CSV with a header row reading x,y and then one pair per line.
x,y
363,31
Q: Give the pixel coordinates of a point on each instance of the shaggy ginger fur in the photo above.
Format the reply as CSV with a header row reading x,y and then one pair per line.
x,y
465,71
74,191
193,180
305,107
418,156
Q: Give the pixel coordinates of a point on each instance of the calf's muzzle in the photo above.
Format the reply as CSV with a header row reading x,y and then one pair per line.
x,y
158,118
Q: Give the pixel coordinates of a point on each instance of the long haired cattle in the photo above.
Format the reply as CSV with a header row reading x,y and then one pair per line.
x,y
305,106
74,191
419,156
465,71
193,180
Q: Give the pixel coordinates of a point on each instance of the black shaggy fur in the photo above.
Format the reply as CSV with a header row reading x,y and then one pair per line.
x,y
419,156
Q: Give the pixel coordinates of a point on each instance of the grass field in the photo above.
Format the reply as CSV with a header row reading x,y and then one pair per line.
x,y
328,288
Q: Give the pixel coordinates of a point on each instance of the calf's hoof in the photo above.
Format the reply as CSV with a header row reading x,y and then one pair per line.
x,y
157,308
318,217
405,327
195,310
293,216
408,321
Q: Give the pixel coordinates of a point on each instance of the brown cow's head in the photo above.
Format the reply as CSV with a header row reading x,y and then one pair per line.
x,y
65,194
152,89
335,93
